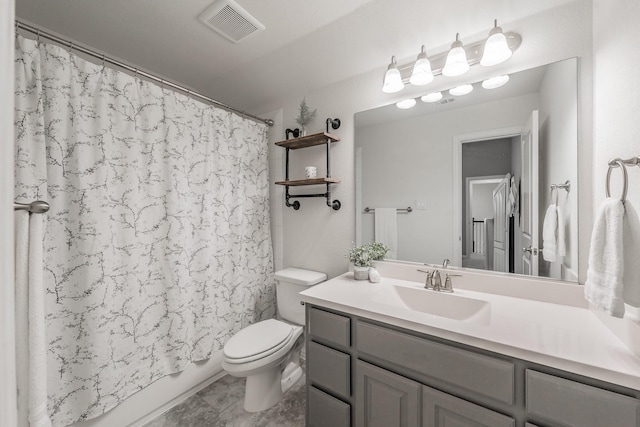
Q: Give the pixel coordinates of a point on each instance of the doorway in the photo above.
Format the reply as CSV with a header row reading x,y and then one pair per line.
x,y
485,155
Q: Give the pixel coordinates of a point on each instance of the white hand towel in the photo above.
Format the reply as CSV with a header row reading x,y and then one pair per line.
x,y
386,230
561,244
31,346
549,234
604,285
631,248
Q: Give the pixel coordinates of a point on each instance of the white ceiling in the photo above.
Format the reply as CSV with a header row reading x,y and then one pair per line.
x,y
307,44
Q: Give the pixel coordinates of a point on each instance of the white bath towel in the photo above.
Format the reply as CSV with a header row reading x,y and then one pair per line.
x,y
30,309
386,230
631,248
604,285
553,236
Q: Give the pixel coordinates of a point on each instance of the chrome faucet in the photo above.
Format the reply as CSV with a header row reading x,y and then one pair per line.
x,y
436,281
445,263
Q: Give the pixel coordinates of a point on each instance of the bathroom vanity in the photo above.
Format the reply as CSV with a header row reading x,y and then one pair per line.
x,y
378,356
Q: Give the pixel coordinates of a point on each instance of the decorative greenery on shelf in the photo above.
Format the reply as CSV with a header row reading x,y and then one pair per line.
x,y
306,115
364,255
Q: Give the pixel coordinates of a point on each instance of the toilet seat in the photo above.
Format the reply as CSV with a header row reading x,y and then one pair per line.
x,y
258,341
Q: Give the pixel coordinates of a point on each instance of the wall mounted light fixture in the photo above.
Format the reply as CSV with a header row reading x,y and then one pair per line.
x,y
457,63
496,48
421,74
392,78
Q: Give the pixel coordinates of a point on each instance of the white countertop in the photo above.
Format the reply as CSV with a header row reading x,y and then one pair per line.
x,y
567,337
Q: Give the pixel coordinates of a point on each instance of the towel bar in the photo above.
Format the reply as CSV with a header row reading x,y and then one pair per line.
x,y
399,210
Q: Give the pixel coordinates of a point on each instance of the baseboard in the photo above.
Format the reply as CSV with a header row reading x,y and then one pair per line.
x,y
176,400
159,397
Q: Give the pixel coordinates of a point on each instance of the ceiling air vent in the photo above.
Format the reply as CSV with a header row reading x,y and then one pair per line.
x,y
230,20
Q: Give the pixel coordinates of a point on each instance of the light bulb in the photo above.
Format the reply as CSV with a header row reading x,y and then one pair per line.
x,y
495,82
496,48
406,104
392,78
421,74
456,63
432,97
461,90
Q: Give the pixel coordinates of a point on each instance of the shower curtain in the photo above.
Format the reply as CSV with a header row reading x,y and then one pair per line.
x,y
157,246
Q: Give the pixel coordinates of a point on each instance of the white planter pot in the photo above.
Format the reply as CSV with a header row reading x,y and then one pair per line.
x,y
361,273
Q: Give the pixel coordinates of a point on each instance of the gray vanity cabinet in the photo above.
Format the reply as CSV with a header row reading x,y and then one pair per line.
x,y
384,399
367,374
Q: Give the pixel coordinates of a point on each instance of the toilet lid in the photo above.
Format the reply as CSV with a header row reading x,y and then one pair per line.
x,y
257,339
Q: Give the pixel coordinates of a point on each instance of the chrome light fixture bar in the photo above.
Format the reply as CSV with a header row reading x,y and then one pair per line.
x,y
496,48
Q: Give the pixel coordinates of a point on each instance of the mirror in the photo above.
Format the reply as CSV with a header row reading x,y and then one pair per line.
x,y
467,168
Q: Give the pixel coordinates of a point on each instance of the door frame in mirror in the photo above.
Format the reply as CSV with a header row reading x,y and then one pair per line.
x,y
458,140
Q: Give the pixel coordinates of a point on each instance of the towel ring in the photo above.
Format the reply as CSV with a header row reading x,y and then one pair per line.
x,y
612,164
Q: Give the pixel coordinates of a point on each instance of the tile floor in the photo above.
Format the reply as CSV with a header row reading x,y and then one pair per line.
x,y
221,404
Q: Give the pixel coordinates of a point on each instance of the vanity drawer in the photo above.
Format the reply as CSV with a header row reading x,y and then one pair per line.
x,y
326,411
441,409
329,327
477,373
569,403
329,369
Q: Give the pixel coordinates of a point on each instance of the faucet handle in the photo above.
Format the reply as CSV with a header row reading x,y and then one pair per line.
x,y
427,283
448,286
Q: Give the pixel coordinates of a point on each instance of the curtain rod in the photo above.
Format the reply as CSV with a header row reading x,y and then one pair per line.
x,y
38,206
41,33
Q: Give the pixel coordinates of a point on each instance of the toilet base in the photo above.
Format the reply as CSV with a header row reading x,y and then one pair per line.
x,y
263,390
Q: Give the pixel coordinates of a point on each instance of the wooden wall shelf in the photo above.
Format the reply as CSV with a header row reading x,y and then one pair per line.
x,y
308,141
311,181
322,138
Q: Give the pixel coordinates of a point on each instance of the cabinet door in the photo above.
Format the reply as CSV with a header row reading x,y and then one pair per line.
x,y
384,399
443,410
324,410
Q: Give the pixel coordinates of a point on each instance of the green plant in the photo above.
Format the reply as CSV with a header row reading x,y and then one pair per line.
x,y
364,255
379,250
306,115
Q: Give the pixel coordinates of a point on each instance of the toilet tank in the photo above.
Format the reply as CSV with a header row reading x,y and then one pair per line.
x,y
290,282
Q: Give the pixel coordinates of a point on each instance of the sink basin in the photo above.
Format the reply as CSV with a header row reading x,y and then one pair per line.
x,y
447,305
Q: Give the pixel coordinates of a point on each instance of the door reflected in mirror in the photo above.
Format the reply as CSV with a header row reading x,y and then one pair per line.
x,y
478,172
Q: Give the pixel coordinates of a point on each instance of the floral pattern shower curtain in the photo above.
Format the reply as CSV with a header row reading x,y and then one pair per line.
x,y
157,244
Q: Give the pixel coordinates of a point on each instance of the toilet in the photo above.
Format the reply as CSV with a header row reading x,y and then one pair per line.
x,y
267,353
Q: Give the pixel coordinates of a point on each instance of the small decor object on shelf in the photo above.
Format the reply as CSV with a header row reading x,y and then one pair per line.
x,y
310,171
305,117
363,256
295,132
